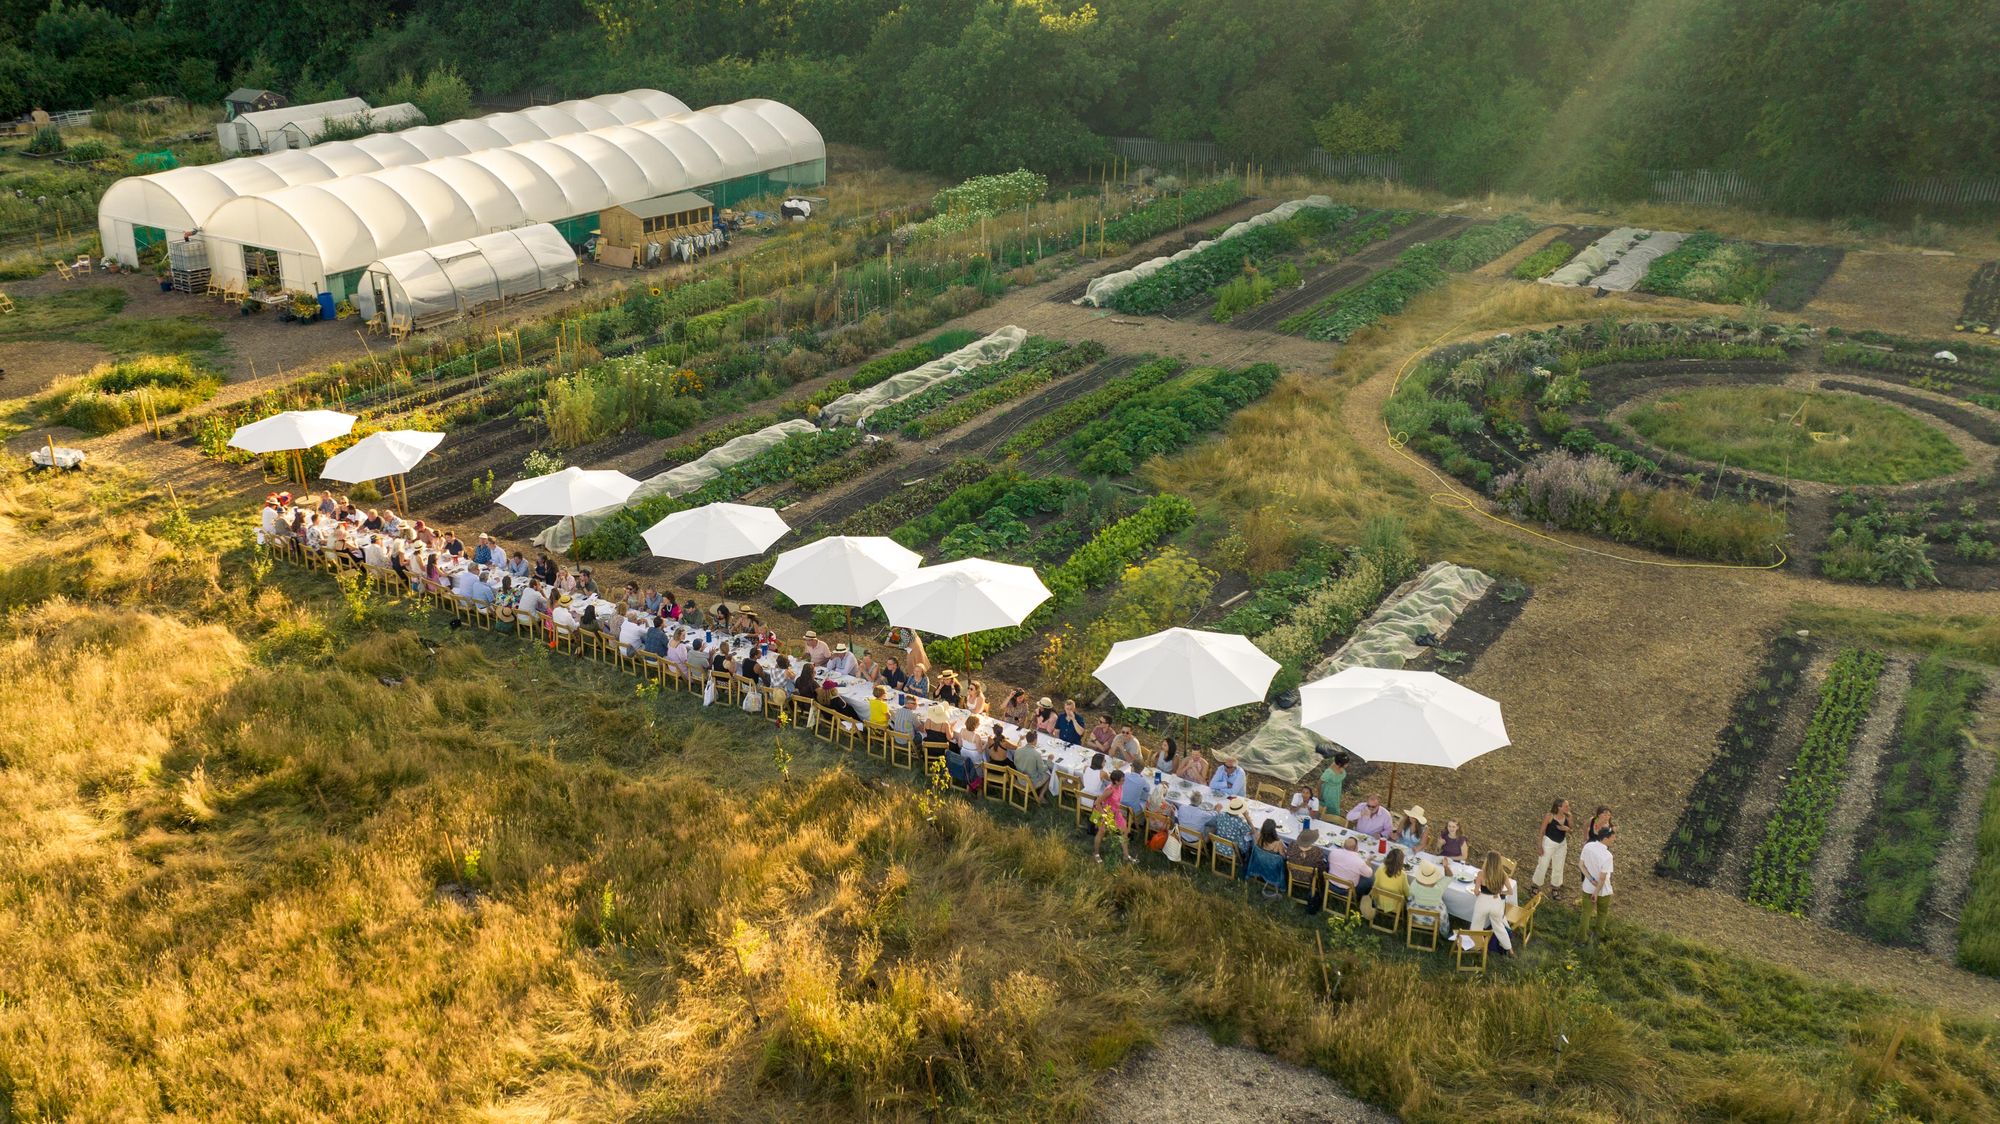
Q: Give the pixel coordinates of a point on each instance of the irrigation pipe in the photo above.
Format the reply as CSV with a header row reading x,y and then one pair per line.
x,y
1451,497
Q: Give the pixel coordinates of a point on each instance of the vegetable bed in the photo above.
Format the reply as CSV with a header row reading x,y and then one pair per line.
x,y
1781,870
1981,310
1419,269
1709,821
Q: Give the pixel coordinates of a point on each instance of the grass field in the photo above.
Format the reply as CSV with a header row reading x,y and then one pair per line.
x,y
223,877
1829,437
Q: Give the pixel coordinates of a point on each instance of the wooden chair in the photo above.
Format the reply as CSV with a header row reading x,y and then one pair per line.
x,y
1222,850
725,686
6,305
482,613
902,750
1339,890
875,741
846,731
776,703
628,658
1337,821
1194,842
566,638
825,722
652,668
1479,938
527,624
1521,920
1085,805
1271,794
1069,791
999,781
804,714
1422,921
1395,916
1301,882
1020,791
1155,823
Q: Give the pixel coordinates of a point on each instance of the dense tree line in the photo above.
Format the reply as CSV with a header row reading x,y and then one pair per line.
x,y
1824,102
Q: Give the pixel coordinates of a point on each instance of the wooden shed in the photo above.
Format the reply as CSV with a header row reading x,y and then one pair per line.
x,y
659,219
246,100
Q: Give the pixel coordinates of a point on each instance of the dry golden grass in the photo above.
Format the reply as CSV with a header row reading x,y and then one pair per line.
x,y
243,819
1287,467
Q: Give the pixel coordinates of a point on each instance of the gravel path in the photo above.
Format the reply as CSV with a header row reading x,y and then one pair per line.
x,y
1939,924
1188,1077
1858,788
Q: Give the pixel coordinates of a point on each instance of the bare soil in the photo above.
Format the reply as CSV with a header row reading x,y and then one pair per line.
x,y
29,367
1187,1077
1912,293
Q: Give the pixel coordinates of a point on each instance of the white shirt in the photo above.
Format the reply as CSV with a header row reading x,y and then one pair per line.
x,y
841,663
1093,782
1596,868
465,582
499,557
563,617
533,601
630,633
374,555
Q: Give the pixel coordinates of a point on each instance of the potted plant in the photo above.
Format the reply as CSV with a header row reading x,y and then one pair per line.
x,y
165,274
248,306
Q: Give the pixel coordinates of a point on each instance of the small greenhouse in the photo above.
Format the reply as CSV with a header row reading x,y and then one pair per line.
x,y
272,130
428,287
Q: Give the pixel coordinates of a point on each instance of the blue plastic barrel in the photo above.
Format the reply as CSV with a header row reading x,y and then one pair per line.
x,y
326,306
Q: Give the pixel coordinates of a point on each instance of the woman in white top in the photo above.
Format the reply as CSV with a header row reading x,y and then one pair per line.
x,y
1093,776
1492,890
972,741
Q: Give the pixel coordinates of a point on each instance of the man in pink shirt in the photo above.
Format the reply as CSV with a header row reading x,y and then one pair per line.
x,y
1347,863
1370,817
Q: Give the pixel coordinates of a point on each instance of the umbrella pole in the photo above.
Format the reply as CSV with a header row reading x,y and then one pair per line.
x,y
572,534
968,656
1187,733
850,628
1392,788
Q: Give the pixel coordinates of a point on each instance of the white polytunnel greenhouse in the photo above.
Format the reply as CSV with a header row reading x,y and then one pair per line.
x,y
429,287
141,211
319,237
273,129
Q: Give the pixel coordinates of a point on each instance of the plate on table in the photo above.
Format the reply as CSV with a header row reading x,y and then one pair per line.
x,y
1465,877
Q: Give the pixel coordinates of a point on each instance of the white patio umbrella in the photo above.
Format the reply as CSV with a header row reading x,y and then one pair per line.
x,y
963,597
1187,672
572,492
390,453
1402,717
291,431
845,570
714,532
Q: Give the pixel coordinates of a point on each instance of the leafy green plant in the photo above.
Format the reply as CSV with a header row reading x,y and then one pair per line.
x,y
1170,211
1043,431
1163,419
114,395
1781,869
1544,261
1896,868
1200,272
1418,270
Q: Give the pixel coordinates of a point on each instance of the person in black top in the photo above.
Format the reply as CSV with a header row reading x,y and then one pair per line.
x,y
545,570
452,545
893,676
1555,848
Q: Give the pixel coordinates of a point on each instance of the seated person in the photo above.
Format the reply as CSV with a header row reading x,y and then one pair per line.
x,y
1392,885
1427,892
878,707
1194,814
947,690
1348,864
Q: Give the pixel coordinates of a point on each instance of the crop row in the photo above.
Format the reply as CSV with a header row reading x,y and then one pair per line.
x,y
1198,273
1029,355
1709,819
972,405
1896,869
1163,419
1781,870
1044,430
1171,211
1418,270
1008,492
1544,261
621,535
1093,564
1979,921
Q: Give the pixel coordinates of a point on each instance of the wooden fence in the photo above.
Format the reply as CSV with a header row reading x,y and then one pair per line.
x,y
1712,188
1209,155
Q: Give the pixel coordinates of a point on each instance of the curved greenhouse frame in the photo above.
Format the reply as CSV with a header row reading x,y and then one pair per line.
x,y
443,283
321,235
139,211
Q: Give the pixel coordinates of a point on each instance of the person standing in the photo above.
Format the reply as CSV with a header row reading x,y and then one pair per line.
x,y
1596,865
1109,815
1333,783
1555,848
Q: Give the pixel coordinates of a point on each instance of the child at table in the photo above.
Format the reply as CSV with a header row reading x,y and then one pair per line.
x,y
1109,813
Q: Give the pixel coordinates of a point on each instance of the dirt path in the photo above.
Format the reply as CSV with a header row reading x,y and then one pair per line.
x,y
1186,1076
1858,788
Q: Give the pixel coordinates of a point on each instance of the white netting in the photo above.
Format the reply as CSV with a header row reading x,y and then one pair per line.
x,y
853,409
681,479
1102,289
1593,259
1630,269
1427,603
